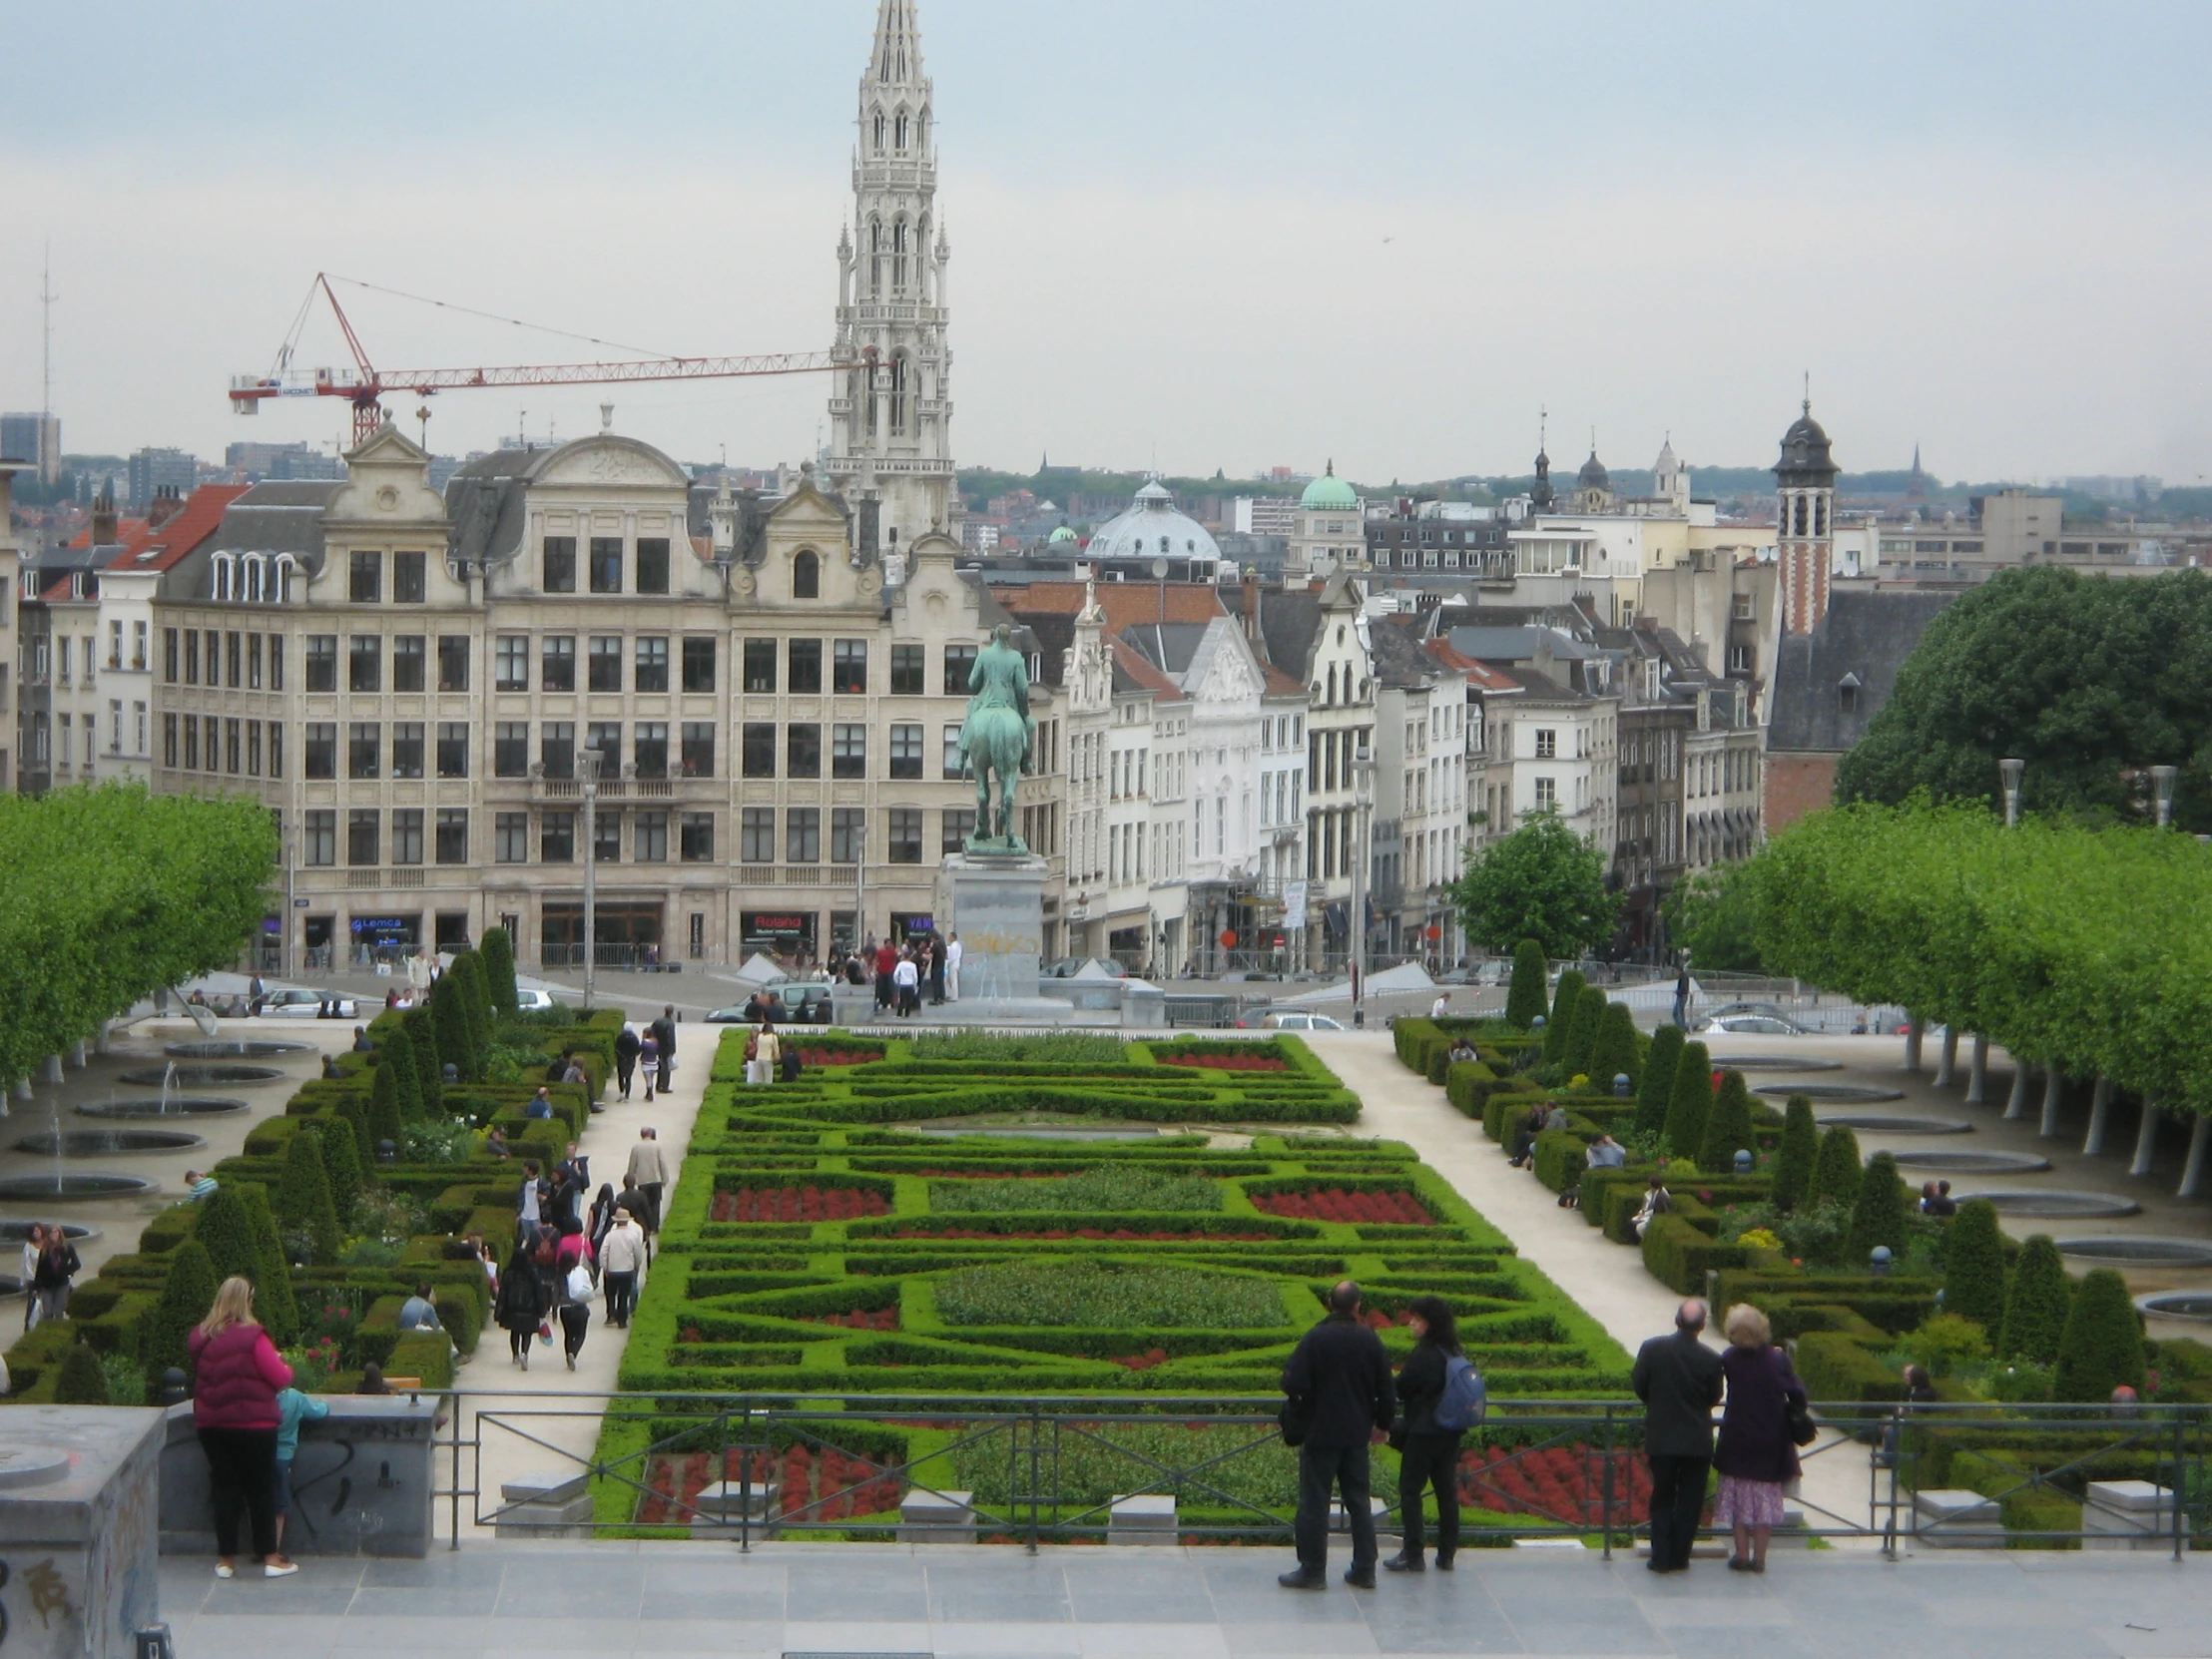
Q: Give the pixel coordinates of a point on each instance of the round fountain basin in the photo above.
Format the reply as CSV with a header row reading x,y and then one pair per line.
x,y
103,1143
201,1077
238,1048
1896,1123
1773,1062
2177,1304
1838,1092
2141,1252
1974,1163
2070,1206
49,1189
76,1232
177,1106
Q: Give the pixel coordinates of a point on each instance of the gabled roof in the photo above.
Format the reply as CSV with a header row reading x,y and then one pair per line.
x,y
1867,635
1290,624
1132,673
196,523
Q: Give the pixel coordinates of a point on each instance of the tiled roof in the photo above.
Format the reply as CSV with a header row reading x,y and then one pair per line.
x,y
1130,665
1125,603
199,518
126,530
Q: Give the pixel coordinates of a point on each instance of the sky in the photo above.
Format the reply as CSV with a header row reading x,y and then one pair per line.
x,y
1209,235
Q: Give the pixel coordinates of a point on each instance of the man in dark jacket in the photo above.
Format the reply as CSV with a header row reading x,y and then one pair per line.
x,y
664,1032
1340,1388
1679,1381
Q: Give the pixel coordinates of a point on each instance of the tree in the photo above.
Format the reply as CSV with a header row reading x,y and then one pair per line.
x,y
1541,883
1589,1015
1566,996
1836,1174
226,1233
451,1022
82,1380
396,1054
1727,1126
1655,1089
188,1291
274,1304
1796,1153
1973,1265
383,1107
1614,1053
1710,915
1526,999
1878,1213
497,953
2102,1347
342,1162
476,1006
422,1043
303,1201
2036,1305
1691,1100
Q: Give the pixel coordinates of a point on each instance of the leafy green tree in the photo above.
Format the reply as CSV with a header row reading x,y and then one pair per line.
x,y
342,1162
274,1304
1614,1053
303,1201
226,1233
2036,1305
1796,1154
2102,1347
82,1380
383,1107
1589,1015
1691,1101
1541,883
1727,1126
1878,1213
1836,1174
1566,996
497,953
1525,1000
188,1291
1710,915
1973,1265
1655,1089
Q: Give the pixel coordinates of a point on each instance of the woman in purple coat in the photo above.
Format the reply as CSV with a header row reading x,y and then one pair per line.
x,y
1754,1456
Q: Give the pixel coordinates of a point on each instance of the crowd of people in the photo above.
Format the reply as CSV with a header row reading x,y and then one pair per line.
x,y
927,963
50,1268
569,1251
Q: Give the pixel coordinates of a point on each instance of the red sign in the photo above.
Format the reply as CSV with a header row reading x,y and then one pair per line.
x,y
1229,939
1434,932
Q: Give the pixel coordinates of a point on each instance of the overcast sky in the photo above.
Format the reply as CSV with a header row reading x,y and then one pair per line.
x,y
1201,234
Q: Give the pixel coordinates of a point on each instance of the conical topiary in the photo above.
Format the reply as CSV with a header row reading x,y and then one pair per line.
x,y
396,1051
1524,1001
274,1304
1691,1100
342,1164
303,1201
2102,1347
1837,1172
383,1108
476,1008
188,1291
1589,1015
1614,1053
82,1380
1974,1267
1878,1213
1565,997
1655,1089
1727,1126
2036,1304
450,1020
226,1232
423,1042
497,953
1796,1154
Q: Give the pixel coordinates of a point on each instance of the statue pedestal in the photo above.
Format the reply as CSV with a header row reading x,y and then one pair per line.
x,y
996,904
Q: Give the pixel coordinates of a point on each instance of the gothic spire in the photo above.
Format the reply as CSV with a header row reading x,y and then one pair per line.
x,y
897,59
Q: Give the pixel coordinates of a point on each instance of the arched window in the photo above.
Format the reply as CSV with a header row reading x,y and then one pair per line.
x,y
898,394
921,131
879,132
1331,685
285,567
903,130
876,258
222,574
253,569
807,575
898,260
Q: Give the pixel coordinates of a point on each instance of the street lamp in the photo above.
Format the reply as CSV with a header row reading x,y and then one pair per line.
x,y
2009,770
2162,790
587,772
1363,798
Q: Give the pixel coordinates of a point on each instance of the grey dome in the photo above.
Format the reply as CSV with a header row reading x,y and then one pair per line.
x,y
1804,454
1152,529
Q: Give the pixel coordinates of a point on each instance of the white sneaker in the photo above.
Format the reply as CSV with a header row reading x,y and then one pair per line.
x,y
223,1569
272,1570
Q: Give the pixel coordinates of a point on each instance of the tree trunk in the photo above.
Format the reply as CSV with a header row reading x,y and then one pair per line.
x,y
2146,1138
2192,1173
2015,1107
1978,1074
1912,1042
2054,1096
1946,1063
2101,1108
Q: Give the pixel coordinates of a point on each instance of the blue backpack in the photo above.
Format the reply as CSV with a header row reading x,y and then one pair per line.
x,y
1465,1402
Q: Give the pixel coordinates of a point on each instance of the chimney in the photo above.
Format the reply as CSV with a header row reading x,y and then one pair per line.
x,y
103,522
1252,606
167,504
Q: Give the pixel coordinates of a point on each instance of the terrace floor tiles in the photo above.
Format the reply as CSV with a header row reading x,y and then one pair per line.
x,y
877,1590
979,1594
1137,1595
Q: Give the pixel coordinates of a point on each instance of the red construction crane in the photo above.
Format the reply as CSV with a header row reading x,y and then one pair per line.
x,y
364,386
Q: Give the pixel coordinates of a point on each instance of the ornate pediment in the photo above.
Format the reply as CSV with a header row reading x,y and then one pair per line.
x,y
609,461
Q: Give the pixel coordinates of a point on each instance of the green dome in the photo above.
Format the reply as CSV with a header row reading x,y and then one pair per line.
x,y
1061,535
1328,493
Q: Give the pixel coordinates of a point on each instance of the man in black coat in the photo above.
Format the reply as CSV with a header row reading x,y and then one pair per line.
x,y
1679,1381
1340,1391
664,1032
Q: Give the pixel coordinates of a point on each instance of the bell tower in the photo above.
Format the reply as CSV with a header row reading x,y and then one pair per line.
x,y
1805,539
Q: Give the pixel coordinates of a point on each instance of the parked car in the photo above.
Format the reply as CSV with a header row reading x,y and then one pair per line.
x,y
529,1001
1268,1020
299,1005
1750,1026
1067,968
789,1002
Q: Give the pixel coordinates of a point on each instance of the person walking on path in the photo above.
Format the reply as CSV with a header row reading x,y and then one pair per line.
x,y
521,1307
1428,1451
575,1310
34,1245
236,1372
1757,1454
294,1408
1341,1399
621,1260
905,977
649,1172
768,1050
649,1061
663,1029
626,1059
1682,997
1679,1381
952,955
58,1267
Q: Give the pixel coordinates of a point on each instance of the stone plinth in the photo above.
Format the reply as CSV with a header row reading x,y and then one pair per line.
x,y
1944,1518
936,1519
1142,1520
996,904
361,1484
2127,1514
547,1503
728,1508
79,1516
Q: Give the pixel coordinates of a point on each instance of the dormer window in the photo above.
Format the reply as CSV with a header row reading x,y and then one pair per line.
x,y
1846,694
807,575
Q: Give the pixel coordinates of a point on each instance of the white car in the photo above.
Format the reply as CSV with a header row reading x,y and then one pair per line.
x,y
299,1005
530,1002
1755,1025
1300,1022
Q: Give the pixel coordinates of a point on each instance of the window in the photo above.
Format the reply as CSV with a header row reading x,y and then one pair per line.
x,y
169,655
847,834
276,662
949,766
651,564
511,663
760,665
1547,794
230,655
606,564
169,739
849,667
1847,696
319,838
907,670
407,750
560,564
409,580
605,735
511,838
557,748
649,838
606,838
697,838
361,836
807,575
906,834
510,749
230,745
253,661
958,824
652,672
191,658
649,748
453,661
803,671
803,750
759,741
603,670
802,836
906,751
364,741
699,749
452,748
848,753
407,836
557,663
959,659
365,667
253,742
557,838
452,845
323,662
410,662
365,584
699,664
321,751
275,749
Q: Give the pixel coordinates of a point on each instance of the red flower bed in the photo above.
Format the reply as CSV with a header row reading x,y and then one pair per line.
x,y
797,1204
1565,1484
860,1318
1156,1237
1142,1362
1226,1062
835,1058
1335,1204
850,1485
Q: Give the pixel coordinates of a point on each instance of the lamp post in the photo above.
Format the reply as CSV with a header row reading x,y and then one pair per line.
x,y
2009,770
2162,792
1363,798
587,771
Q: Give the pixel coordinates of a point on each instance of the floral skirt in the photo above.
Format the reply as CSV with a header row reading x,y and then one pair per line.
x,y
1748,1502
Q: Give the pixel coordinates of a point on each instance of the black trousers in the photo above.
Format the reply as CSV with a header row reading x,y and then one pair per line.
x,y
621,1296
575,1320
624,1070
241,1469
1343,1468
1431,1460
1677,1494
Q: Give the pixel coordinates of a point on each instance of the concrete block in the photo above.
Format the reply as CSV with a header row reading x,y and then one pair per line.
x,y
1142,1520
1943,1518
936,1517
569,1519
79,1511
727,1499
546,1487
2128,1516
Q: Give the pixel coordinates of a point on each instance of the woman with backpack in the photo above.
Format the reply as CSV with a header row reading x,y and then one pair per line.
x,y
1442,1397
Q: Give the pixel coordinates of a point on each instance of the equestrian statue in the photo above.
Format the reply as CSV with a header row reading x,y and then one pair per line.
x,y
996,739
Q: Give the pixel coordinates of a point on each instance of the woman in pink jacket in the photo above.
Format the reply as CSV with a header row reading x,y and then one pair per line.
x,y
237,1374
